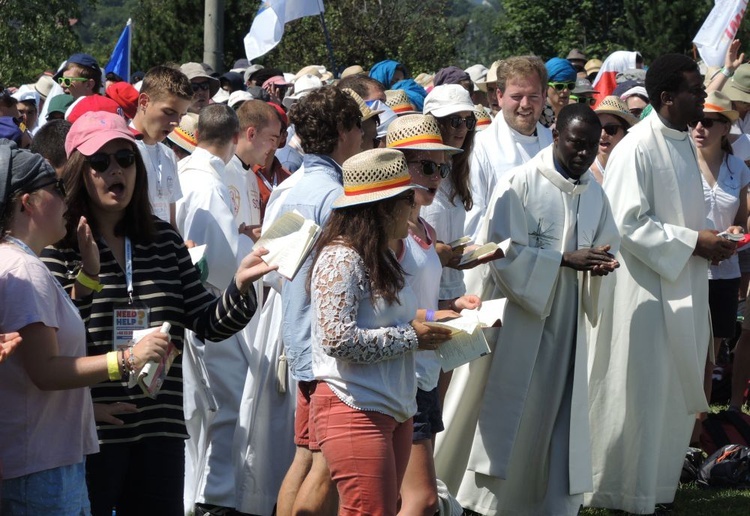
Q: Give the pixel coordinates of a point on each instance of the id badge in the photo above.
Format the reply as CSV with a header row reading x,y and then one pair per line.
x,y
128,318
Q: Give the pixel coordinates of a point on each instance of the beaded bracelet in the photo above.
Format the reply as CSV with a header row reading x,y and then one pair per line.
x,y
131,358
123,364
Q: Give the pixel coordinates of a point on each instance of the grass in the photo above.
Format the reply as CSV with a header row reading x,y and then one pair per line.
x,y
691,500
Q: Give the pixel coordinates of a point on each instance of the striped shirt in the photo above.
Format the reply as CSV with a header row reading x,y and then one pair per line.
x,y
165,280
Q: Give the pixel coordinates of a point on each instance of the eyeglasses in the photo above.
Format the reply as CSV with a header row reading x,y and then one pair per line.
x,y
430,167
560,86
59,185
408,196
101,161
590,101
65,82
707,123
456,122
198,86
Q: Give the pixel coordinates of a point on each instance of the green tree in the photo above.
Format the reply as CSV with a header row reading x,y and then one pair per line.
x,y
35,36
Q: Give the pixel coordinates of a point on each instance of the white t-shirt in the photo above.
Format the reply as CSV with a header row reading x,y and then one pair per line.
x,y
163,181
40,430
722,202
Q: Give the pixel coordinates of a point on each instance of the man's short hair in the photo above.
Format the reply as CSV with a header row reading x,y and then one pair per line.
x,y
361,85
521,66
49,142
162,81
667,73
255,113
217,125
319,116
577,111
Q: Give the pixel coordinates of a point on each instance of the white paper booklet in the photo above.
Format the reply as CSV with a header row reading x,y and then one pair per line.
x,y
468,341
480,252
288,241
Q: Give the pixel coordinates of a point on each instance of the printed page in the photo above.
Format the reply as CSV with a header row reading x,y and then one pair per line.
x,y
288,241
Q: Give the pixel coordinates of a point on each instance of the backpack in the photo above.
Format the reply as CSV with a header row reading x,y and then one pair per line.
x,y
727,427
729,467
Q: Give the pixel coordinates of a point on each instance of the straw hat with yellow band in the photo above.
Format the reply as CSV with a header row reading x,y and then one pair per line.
x,y
372,176
483,118
417,132
399,102
717,102
184,135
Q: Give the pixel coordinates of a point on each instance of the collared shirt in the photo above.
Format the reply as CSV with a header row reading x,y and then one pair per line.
x,y
311,197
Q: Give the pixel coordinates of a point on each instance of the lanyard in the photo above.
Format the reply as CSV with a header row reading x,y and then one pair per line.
x,y
20,244
129,269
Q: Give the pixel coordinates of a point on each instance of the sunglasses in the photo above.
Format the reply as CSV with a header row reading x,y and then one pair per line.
x,y
198,86
589,101
101,161
612,129
430,167
707,123
560,86
408,196
65,82
59,185
456,122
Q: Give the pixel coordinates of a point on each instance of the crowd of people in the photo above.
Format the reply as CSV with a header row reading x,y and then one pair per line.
x,y
131,211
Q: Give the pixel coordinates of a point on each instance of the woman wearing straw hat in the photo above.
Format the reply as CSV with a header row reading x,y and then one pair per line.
x,y
364,334
616,120
725,183
418,137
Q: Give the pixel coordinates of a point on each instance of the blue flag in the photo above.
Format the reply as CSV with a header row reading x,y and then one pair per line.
x,y
119,62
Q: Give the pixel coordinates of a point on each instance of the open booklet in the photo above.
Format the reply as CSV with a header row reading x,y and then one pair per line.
x,y
288,241
151,377
468,341
478,253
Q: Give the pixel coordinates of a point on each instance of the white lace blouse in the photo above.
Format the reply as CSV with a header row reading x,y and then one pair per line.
x,y
362,350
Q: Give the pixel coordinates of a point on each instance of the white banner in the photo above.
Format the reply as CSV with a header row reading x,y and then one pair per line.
x,y
718,31
268,24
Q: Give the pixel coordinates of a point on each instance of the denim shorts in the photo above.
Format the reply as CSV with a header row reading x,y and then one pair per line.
x,y
60,491
429,417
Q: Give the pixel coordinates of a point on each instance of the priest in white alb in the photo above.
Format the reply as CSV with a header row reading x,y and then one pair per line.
x,y
649,349
530,449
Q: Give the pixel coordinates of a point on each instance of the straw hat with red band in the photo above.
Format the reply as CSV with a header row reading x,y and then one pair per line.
x,y
483,118
372,176
399,102
717,102
417,132
184,135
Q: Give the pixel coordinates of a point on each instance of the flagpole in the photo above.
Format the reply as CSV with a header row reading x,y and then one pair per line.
x,y
130,49
329,46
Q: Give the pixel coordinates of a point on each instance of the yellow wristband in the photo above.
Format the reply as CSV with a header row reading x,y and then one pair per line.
x,y
90,283
113,367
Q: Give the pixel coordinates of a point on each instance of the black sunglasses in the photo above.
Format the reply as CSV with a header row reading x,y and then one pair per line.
x,y
430,167
590,101
559,86
612,129
456,122
101,161
197,86
59,185
708,123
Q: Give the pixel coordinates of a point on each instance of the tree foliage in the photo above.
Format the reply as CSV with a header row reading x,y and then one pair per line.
x,y
36,35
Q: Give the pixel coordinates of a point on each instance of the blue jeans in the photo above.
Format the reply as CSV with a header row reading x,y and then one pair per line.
x,y
59,491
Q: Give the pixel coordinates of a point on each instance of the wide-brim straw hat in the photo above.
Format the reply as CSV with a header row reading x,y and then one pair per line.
x,y
483,118
717,102
612,105
737,88
399,102
417,132
365,110
372,176
184,135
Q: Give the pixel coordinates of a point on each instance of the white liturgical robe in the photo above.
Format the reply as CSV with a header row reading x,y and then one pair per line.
x,y
649,350
530,449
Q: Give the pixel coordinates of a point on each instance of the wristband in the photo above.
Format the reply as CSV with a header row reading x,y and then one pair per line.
x,y
430,316
725,72
113,368
90,283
